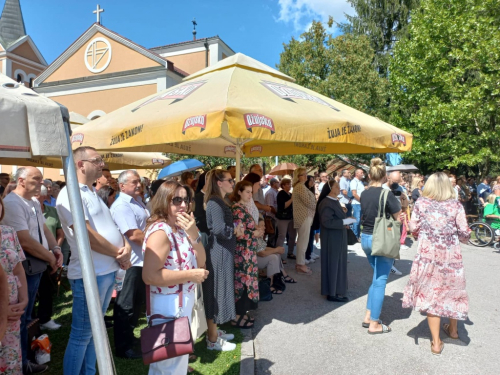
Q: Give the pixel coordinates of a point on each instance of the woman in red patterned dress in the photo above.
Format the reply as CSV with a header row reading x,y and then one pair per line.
x,y
437,279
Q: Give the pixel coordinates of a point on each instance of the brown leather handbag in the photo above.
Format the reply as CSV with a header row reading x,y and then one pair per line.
x,y
269,227
166,340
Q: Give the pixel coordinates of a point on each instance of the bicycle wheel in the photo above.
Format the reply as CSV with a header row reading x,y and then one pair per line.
x,y
481,234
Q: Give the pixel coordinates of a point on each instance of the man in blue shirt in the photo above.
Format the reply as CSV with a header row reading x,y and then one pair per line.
x,y
357,187
345,196
50,201
483,190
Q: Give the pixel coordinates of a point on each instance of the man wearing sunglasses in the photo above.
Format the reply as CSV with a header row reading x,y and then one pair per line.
x,y
110,251
130,216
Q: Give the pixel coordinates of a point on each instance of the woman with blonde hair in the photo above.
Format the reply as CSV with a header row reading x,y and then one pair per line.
x,y
417,183
304,206
437,279
370,201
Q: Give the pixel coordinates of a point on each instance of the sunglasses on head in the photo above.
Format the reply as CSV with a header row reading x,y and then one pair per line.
x,y
177,201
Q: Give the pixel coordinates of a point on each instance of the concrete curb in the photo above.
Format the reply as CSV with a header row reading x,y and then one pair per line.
x,y
247,361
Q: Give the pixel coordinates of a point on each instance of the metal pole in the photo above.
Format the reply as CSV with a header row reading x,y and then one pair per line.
x,y
276,160
238,162
99,334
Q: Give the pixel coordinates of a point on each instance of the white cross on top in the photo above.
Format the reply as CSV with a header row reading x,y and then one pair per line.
x,y
98,11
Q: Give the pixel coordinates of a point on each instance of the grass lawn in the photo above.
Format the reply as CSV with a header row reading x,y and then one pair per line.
x,y
208,362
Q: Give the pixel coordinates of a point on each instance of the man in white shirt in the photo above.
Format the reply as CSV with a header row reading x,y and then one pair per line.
x,y
344,196
324,179
24,214
130,215
271,200
357,188
110,251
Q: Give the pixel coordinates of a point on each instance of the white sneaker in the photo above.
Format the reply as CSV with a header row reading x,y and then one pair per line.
x,y
50,325
395,271
314,256
310,261
403,247
318,245
223,335
220,345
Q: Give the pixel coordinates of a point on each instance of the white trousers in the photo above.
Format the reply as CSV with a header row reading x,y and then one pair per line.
x,y
168,305
303,241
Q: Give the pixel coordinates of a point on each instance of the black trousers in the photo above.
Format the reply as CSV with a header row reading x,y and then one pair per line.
x,y
45,296
128,308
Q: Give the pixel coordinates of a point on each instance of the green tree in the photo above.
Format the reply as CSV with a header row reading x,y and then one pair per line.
x,y
383,22
445,81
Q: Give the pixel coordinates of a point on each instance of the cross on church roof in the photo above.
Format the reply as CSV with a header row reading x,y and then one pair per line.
x,y
98,11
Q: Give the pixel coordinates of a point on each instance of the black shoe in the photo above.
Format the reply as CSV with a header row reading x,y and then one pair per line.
x,y
34,368
337,299
130,354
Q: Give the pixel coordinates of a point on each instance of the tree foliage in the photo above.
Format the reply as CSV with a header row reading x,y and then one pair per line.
x,y
445,81
383,22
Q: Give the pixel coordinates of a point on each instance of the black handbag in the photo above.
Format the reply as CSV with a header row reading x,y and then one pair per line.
x,y
351,237
33,265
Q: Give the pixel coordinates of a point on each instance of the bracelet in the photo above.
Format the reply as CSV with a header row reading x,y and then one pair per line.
x,y
198,239
56,247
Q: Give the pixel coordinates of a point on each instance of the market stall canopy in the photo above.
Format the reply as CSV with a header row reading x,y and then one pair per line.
x,y
113,160
30,124
343,162
241,104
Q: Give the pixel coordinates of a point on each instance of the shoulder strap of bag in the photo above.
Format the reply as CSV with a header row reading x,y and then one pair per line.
x,y
148,293
38,224
381,206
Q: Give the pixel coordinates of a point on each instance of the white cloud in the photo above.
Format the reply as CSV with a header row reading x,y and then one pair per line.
x,y
302,12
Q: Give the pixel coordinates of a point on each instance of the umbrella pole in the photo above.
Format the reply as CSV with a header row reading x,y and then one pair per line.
x,y
238,162
99,334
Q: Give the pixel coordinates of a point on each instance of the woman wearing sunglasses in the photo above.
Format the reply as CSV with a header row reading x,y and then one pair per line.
x,y
171,230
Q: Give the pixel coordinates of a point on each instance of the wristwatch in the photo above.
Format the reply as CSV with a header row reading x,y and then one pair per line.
x,y
198,239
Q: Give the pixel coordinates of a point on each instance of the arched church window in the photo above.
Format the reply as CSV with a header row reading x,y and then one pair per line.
x,y
31,82
19,78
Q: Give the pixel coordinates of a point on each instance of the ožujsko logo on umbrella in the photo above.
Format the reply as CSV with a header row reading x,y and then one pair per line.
x,y
78,137
255,120
289,93
398,138
230,149
195,122
157,161
177,93
255,149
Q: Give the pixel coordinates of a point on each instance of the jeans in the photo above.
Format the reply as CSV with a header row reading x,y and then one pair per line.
x,y
348,206
356,213
80,357
381,269
33,281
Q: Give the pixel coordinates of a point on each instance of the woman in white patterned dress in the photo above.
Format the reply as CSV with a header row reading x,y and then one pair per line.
x,y
169,228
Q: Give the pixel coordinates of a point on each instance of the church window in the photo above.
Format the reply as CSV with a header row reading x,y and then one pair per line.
x,y
19,78
31,82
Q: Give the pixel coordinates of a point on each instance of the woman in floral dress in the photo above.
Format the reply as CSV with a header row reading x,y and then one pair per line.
x,y
246,269
437,279
11,256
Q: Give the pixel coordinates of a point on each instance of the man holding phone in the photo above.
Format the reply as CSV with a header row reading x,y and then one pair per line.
x,y
130,215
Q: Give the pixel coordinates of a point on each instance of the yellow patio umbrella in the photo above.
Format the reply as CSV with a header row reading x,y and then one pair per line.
x,y
113,160
240,105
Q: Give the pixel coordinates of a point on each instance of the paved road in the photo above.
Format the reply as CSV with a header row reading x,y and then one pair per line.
x,y
300,332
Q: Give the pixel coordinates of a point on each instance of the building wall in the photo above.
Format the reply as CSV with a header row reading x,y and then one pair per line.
x,y
26,71
106,100
123,58
190,62
25,50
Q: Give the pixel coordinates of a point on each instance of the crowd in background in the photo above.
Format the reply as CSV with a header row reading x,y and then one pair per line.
x,y
231,238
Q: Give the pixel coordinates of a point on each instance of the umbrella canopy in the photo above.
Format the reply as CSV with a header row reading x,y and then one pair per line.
x,y
241,104
283,169
343,162
77,119
180,167
113,160
30,124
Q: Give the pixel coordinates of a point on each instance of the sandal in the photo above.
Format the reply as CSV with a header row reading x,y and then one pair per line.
x,y
238,323
283,261
440,351
276,291
249,318
291,256
367,325
300,272
289,280
385,329
446,329
192,357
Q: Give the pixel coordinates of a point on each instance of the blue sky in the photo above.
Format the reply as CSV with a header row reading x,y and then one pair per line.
x,y
257,28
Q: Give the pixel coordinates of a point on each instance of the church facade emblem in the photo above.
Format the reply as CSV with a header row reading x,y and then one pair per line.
x,y
98,55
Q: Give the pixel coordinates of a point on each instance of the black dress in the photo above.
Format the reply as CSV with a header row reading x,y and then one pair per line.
x,y
218,288
200,216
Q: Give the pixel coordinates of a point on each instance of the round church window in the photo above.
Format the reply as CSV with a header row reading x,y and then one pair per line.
x,y
98,55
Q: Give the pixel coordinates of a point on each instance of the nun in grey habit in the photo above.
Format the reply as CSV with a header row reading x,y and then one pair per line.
x,y
333,236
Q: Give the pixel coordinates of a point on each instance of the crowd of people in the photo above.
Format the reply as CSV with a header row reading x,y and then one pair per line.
x,y
170,236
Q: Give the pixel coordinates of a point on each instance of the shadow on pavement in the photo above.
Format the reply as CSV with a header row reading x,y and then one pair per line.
x,y
422,332
264,366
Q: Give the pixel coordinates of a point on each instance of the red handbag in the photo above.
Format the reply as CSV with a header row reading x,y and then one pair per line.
x,y
166,340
